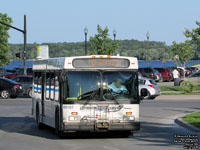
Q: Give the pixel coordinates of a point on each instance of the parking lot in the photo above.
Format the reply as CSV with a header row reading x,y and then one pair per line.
x,y
18,129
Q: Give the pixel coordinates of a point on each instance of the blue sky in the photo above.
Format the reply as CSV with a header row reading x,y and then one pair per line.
x,y
64,20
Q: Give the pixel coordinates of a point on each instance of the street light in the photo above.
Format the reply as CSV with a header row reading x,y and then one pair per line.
x,y
24,33
85,31
147,57
114,34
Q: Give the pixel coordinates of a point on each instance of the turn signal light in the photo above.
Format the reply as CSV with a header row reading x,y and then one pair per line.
x,y
16,86
74,113
128,113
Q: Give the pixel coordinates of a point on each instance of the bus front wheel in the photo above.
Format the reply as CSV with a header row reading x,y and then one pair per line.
x,y
39,124
57,124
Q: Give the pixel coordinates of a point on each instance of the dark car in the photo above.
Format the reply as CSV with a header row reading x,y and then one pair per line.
x,y
166,74
2,71
150,73
19,72
26,82
9,88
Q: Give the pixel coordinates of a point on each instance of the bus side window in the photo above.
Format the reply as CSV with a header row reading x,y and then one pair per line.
x,y
39,82
35,82
52,86
47,85
56,88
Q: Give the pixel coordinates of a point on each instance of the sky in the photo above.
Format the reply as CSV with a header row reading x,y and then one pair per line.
x,y
64,20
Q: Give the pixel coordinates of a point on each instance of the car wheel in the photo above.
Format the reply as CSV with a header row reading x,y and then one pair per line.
x,y
29,93
153,97
148,95
5,94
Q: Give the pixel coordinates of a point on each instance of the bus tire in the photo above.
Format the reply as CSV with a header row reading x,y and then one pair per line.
x,y
57,124
39,124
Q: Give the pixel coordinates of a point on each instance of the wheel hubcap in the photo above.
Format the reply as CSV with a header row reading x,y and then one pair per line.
x,y
4,94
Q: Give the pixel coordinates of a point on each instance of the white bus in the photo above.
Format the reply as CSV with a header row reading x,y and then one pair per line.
x,y
86,93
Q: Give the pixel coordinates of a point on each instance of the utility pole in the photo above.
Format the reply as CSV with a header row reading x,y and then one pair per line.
x,y
25,37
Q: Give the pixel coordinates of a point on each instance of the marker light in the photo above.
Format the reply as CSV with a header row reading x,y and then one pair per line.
x,y
128,113
74,113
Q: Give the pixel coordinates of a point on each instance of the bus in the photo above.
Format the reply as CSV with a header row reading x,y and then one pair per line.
x,y
97,93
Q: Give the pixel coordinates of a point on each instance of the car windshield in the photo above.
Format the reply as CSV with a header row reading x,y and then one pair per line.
x,y
120,85
153,82
160,69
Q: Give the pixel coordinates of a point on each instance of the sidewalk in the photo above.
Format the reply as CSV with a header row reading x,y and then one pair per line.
x,y
178,97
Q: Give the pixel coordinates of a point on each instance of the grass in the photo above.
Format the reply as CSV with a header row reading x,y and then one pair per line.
x,y
180,93
183,90
172,88
193,119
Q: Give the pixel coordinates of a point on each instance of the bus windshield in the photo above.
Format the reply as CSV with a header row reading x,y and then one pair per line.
x,y
101,85
120,85
81,84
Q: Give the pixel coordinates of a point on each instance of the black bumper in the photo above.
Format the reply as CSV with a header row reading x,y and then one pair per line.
x,y
92,127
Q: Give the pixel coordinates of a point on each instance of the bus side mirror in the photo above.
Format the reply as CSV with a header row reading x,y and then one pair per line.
x,y
143,92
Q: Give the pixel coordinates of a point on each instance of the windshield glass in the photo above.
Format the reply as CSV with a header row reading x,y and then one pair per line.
x,y
120,85
81,84
86,86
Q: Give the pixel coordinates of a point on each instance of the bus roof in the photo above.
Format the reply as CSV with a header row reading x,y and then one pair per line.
x,y
86,62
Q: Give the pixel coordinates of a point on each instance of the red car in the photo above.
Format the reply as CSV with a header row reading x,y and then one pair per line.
x,y
166,74
20,72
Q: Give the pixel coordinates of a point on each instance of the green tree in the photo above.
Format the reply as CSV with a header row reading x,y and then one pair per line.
x,y
4,47
195,37
101,44
185,51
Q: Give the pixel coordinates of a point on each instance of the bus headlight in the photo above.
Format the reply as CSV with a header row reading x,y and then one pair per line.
x,y
128,117
74,118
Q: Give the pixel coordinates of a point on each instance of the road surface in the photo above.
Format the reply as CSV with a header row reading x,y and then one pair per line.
x,y
18,130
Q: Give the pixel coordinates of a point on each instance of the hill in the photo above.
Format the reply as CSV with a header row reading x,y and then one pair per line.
x,y
155,50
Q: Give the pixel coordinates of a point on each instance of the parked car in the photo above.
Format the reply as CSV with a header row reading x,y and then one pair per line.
x,y
26,82
150,73
9,88
19,72
153,89
193,78
166,74
2,71
195,69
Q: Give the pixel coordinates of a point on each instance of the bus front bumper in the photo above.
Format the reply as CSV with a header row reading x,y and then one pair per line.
x,y
95,127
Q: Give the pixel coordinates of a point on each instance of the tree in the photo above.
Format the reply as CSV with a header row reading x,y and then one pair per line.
x,y
195,37
4,47
101,44
185,51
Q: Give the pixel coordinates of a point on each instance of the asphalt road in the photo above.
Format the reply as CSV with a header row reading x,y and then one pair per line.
x,y
18,130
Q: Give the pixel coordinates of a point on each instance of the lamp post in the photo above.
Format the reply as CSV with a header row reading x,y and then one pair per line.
x,y
147,56
24,33
114,34
85,31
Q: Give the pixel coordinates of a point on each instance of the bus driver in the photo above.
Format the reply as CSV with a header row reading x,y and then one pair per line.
x,y
117,87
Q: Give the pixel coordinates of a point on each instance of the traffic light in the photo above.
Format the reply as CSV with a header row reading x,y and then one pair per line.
x,y
18,55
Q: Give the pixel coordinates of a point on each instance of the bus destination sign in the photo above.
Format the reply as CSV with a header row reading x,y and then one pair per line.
x,y
101,63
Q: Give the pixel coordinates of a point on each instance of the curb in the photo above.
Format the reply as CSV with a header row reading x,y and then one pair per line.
x,y
186,125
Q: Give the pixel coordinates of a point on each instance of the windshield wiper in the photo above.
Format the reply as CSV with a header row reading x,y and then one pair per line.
x,y
89,94
112,97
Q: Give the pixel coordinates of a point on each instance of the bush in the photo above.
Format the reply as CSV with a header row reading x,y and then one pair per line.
x,y
192,86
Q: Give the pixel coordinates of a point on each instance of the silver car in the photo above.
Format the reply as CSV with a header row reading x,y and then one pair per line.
x,y
153,89
193,78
